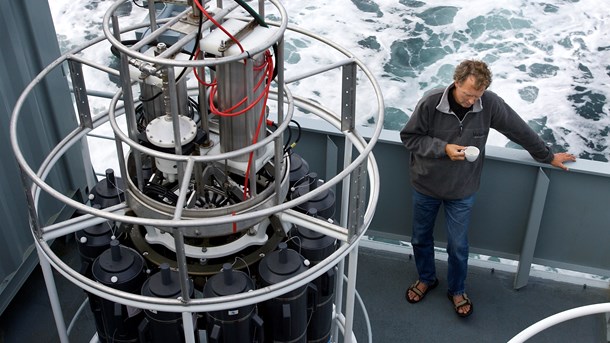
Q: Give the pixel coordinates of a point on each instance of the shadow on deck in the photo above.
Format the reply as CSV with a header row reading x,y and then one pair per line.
x,y
500,312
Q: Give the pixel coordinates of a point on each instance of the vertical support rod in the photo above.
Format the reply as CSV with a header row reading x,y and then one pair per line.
x,y
345,186
84,112
187,321
203,101
277,166
351,294
189,329
89,173
181,262
174,112
249,66
338,297
121,156
178,234
531,231
280,81
49,280
79,89
29,195
347,158
348,97
357,203
280,115
152,15
130,112
261,8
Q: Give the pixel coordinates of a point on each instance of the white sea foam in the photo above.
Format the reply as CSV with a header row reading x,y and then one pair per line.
x,y
583,22
553,23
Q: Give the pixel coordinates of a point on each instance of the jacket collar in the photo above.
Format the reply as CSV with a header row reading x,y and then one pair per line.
x,y
443,105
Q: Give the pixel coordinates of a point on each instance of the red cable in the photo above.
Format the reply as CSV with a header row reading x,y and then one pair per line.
x,y
218,25
265,93
260,121
197,75
227,112
213,84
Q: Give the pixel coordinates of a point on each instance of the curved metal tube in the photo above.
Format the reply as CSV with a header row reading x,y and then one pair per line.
x,y
559,318
325,114
193,63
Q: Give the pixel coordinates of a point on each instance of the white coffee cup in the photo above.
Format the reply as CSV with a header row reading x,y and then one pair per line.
x,y
471,153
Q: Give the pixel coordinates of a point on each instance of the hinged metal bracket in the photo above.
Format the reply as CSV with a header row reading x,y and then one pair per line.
x,y
80,94
348,97
357,201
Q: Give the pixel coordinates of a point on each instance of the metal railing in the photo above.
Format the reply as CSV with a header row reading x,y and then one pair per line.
x,y
559,318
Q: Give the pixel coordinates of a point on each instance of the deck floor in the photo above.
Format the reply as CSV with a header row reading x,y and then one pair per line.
x,y
500,312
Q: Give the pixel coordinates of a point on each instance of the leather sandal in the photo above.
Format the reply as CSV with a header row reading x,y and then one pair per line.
x,y
421,294
460,304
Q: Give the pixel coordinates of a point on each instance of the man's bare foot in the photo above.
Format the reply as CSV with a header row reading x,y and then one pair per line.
x,y
461,304
417,291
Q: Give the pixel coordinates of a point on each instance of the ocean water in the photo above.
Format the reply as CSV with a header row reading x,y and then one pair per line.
x,y
550,59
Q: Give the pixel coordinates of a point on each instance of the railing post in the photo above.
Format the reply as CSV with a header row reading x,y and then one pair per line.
x,y
531,231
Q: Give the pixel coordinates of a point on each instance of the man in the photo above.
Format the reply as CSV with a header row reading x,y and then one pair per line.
x,y
443,124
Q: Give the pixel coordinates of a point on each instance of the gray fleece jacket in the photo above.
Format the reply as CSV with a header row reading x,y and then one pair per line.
x,y
433,125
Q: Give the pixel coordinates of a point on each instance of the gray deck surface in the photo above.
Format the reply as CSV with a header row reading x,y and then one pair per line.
x,y
499,311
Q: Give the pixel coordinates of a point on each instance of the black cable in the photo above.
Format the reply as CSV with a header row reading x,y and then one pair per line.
x,y
275,47
151,98
140,118
252,12
193,102
141,6
296,141
194,108
161,192
299,130
288,139
128,42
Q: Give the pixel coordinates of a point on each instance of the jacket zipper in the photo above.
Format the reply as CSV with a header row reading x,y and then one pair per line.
x,y
460,121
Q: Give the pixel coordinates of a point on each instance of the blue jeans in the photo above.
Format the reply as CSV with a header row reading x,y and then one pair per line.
x,y
457,217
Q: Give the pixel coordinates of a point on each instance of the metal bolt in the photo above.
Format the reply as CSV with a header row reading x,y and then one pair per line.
x,y
160,47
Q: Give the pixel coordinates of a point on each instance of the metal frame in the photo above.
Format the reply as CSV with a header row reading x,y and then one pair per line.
x,y
44,233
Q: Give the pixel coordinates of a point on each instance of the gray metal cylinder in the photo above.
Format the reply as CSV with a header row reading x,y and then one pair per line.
x,y
238,131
